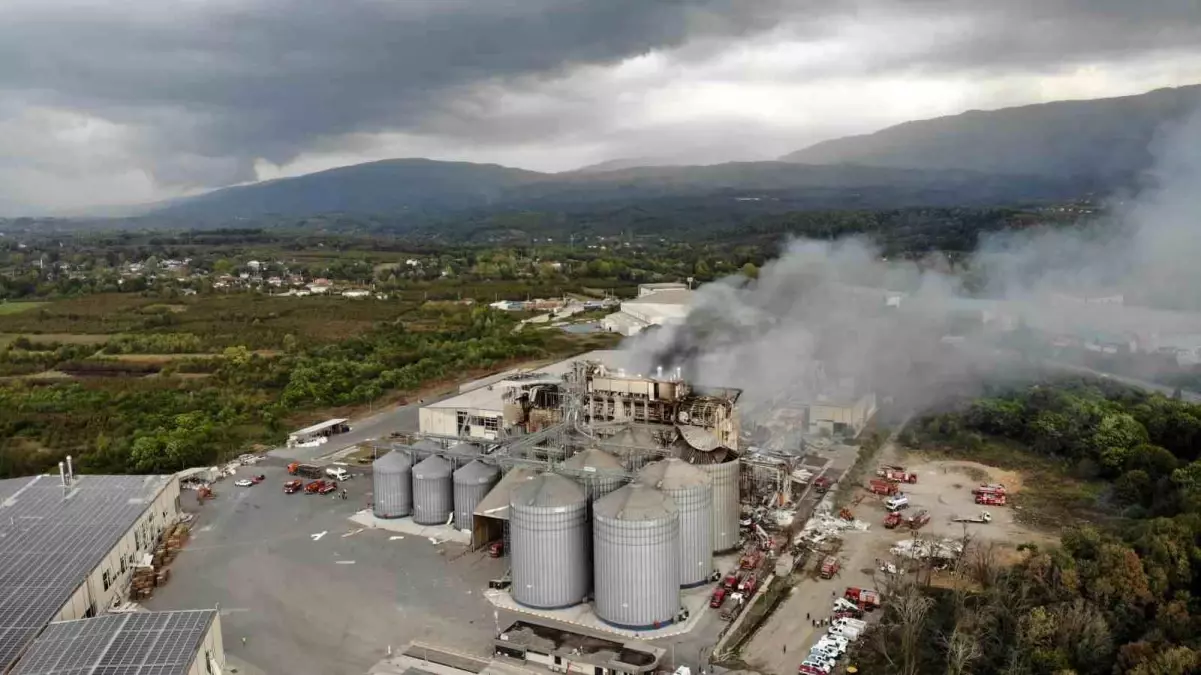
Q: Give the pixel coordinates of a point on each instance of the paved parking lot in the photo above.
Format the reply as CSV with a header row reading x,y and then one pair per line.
x,y
309,594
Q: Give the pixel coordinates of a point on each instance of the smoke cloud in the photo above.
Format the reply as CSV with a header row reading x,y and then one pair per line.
x,y
830,321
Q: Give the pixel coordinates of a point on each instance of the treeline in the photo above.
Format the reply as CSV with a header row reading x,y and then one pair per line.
x,y
1120,599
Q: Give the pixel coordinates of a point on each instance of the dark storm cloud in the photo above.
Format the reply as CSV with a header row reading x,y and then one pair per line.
x,y
201,89
229,82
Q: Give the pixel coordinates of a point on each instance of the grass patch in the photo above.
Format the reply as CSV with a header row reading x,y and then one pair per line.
x,y
18,307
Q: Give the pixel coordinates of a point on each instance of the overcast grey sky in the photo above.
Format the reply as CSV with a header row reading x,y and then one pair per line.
x,y
126,101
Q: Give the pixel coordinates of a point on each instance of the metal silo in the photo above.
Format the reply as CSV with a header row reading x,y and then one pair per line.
x,y
462,454
692,491
424,448
727,510
390,475
433,496
548,531
636,557
598,471
471,484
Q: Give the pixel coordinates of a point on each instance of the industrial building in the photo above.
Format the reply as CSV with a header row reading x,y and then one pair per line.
x,y
840,415
652,307
318,433
564,652
70,547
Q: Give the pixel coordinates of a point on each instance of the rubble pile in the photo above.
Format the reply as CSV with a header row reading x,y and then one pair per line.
x,y
923,549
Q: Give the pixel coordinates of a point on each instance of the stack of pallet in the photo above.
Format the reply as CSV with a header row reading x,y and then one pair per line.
x,y
174,542
142,584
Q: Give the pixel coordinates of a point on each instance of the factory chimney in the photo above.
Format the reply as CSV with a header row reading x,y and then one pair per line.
x,y
62,473
70,471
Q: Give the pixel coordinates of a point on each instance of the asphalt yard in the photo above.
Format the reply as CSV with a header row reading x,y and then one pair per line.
x,y
303,590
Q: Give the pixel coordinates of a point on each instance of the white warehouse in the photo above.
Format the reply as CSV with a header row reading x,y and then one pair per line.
x,y
656,308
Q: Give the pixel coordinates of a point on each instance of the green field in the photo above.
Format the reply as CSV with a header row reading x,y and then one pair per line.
x,y
18,307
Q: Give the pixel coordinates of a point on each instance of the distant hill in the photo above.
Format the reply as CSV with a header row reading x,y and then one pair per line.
x,y
388,186
1103,140
430,188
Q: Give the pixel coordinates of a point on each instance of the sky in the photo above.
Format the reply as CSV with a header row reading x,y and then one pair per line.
x,y
111,102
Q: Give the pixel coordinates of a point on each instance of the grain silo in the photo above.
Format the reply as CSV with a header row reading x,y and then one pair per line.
x,y
727,510
393,491
692,491
433,495
424,448
598,471
462,454
548,531
636,557
471,484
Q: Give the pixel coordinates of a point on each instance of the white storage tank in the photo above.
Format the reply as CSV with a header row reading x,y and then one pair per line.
x,y
727,510
390,476
596,470
548,533
433,495
471,484
636,557
692,491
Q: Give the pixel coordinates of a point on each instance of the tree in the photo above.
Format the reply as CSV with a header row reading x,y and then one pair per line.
x,y
750,271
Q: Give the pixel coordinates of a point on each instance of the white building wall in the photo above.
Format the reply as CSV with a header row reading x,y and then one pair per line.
x,y
655,313
437,421
212,646
94,594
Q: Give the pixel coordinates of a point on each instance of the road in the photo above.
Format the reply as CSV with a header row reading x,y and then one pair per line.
x,y
401,418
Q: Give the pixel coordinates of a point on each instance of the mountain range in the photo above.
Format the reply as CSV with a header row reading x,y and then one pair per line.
x,y
1052,151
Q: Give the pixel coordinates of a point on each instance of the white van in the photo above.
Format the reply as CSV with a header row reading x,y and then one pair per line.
x,y
337,473
897,503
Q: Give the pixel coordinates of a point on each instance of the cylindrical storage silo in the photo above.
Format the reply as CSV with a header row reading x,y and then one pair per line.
x,y
393,491
692,491
462,454
727,510
597,471
548,531
636,557
472,483
433,495
424,448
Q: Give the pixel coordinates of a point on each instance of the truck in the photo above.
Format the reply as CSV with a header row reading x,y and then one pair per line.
x,y
293,486
865,598
898,475
918,520
305,470
733,607
897,502
748,586
849,632
751,560
732,580
719,597
337,473
882,487
829,567
822,485
989,489
988,499
982,517
892,520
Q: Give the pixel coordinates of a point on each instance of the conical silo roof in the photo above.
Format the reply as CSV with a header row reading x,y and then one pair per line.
x,y
396,459
475,473
673,474
548,490
593,459
432,467
636,502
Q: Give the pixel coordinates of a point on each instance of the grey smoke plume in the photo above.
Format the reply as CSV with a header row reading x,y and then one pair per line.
x,y
835,319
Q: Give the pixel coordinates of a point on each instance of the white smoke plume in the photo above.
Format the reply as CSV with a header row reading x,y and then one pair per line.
x,y
832,319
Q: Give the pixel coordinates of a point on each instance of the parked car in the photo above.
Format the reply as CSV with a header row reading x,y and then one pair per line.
x,y
258,479
243,483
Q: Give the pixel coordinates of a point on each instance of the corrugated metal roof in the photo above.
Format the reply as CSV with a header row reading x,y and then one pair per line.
x,y
476,472
496,504
396,459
